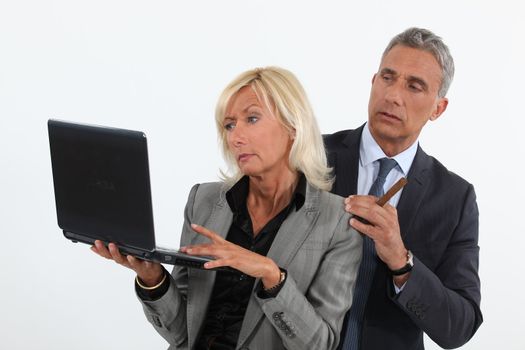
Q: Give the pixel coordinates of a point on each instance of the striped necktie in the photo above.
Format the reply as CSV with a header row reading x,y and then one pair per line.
x,y
366,269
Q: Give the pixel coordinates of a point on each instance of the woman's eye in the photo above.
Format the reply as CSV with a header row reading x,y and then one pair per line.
x,y
229,126
252,119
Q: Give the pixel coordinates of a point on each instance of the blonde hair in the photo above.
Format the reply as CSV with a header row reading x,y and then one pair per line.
x,y
280,90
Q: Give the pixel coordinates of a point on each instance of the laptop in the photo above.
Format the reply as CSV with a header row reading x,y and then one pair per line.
x,y
102,190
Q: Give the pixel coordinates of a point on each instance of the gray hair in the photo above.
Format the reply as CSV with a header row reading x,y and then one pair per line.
x,y
280,90
424,39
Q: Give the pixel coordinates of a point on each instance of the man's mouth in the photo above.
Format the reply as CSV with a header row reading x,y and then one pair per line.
x,y
389,115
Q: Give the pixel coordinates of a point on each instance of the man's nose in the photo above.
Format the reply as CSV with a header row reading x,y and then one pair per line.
x,y
394,93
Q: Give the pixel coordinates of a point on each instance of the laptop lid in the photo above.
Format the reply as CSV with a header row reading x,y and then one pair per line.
x,y
102,185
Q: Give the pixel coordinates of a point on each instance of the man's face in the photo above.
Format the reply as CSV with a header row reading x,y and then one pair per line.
x,y
404,97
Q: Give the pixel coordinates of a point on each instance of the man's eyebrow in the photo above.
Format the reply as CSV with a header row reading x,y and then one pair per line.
x,y
388,71
418,80
410,78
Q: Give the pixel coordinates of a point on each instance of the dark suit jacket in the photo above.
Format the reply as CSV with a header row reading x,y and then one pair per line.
x,y
438,217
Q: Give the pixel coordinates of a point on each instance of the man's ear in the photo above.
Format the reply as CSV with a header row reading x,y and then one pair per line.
x,y
441,106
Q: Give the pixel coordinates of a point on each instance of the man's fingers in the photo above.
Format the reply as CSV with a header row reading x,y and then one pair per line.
x,y
355,199
366,229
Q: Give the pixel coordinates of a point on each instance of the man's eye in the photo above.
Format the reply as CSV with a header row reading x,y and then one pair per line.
x,y
415,87
386,77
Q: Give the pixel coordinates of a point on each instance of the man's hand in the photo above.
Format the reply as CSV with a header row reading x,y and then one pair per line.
x,y
382,228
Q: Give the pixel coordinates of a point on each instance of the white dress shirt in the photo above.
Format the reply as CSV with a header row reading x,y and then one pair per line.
x,y
369,155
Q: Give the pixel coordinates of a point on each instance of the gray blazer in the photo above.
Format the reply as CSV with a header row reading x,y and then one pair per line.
x,y
314,244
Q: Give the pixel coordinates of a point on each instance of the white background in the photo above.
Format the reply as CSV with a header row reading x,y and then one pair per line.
x,y
159,66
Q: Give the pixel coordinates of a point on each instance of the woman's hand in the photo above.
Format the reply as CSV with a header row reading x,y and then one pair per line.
x,y
150,273
229,254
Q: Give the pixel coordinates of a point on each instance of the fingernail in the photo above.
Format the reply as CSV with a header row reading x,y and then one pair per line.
x,y
194,225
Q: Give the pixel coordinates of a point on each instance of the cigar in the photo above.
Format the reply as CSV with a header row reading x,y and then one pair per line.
x,y
392,191
386,197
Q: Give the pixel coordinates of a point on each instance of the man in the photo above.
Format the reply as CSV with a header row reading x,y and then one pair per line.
x,y
422,269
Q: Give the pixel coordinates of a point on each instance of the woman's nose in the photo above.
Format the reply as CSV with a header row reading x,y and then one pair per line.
x,y
237,136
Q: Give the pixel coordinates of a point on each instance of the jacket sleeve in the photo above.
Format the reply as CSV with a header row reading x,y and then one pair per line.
x,y
313,320
168,313
444,303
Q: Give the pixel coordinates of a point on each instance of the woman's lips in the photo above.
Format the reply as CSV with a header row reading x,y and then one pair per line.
x,y
244,157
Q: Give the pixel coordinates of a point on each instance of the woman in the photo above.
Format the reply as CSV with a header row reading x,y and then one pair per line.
x,y
290,254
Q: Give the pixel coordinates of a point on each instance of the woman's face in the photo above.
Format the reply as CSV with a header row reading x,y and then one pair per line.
x,y
256,139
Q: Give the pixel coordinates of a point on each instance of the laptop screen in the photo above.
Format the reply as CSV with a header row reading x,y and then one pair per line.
x,y
102,186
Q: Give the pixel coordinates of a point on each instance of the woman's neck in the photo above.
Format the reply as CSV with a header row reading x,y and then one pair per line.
x,y
268,195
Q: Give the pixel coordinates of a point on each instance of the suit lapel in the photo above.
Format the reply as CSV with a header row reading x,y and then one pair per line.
x,y
414,191
289,239
347,161
201,282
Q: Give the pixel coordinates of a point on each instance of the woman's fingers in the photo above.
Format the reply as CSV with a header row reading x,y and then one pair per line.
x,y
115,254
219,263
110,252
208,249
100,249
147,271
207,233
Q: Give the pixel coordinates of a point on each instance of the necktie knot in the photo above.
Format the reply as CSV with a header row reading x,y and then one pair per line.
x,y
385,166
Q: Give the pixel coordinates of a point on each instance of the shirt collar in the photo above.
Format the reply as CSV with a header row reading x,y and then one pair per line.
x,y
369,152
236,196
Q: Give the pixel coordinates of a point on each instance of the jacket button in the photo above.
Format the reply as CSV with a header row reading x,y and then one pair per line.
x,y
277,315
